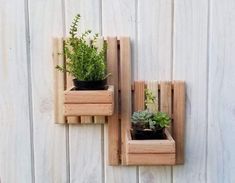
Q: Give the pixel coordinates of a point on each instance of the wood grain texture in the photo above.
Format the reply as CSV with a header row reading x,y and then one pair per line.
x,y
99,44
85,141
113,146
125,77
221,100
190,64
139,97
155,61
59,81
119,19
49,139
15,153
178,127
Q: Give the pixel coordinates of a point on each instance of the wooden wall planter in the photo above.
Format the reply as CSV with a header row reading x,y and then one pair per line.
x,y
123,98
170,151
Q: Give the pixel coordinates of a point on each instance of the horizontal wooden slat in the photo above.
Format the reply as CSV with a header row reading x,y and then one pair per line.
x,y
151,146
150,159
89,97
88,109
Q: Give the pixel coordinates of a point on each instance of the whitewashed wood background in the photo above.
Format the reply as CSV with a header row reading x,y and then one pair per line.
x,y
191,40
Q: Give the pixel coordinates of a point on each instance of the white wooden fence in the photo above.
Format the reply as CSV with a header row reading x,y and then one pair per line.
x,y
191,40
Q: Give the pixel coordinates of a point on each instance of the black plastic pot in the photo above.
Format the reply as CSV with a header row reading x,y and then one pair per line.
x,y
148,134
90,85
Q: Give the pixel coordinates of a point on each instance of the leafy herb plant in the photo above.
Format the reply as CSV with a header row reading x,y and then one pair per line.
x,y
83,60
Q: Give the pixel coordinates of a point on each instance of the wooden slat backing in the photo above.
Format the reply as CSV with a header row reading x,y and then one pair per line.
x,y
166,99
153,86
125,77
99,44
59,82
139,87
113,121
179,120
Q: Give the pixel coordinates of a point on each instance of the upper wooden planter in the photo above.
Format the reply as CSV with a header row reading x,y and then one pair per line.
x,y
92,102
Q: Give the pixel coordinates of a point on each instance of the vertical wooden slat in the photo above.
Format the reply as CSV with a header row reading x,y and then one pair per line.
x,y
59,84
113,121
125,77
139,95
87,119
166,99
153,86
69,84
99,44
179,120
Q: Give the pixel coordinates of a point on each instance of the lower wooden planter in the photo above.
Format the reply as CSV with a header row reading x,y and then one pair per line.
x,y
89,103
150,152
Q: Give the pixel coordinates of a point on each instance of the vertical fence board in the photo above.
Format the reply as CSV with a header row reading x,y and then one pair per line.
x,y
190,64
139,97
118,19
154,61
49,139
15,155
221,112
85,141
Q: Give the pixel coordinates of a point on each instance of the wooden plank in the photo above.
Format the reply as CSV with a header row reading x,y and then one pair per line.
x,y
190,46
153,86
89,97
69,84
50,153
125,77
59,84
88,109
179,120
151,146
85,141
118,19
166,99
15,138
87,119
150,159
221,87
113,121
99,44
139,87
155,61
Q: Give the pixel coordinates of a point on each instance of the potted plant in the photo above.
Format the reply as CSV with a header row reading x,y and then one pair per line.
x,y
149,124
84,61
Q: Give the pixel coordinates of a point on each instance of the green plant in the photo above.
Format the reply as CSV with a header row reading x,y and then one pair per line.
x,y
148,119
150,100
83,60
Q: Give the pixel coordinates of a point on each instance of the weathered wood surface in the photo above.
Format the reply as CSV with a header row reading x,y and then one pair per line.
x,y
190,64
221,100
15,103
155,61
49,145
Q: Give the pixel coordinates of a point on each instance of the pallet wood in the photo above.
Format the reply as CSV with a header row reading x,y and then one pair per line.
x,y
179,118
87,119
59,82
125,77
99,44
113,121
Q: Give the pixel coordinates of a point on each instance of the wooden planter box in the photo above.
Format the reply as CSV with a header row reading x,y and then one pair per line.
x,y
150,152
89,103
